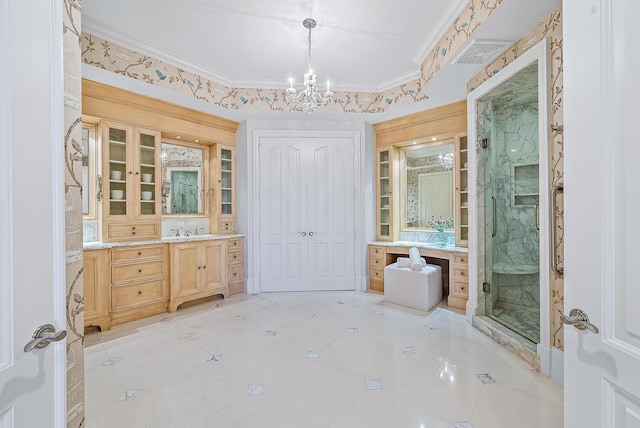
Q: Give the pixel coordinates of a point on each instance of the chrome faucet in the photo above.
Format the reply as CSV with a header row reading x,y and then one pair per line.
x,y
187,233
177,231
200,228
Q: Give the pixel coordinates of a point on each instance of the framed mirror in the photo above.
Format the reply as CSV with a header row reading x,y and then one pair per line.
x,y
183,179
427,186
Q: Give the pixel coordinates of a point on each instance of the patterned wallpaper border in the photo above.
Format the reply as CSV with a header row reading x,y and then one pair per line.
x,y
109,56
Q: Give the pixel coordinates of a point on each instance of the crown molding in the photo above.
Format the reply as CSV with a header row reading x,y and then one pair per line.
x,y
443,24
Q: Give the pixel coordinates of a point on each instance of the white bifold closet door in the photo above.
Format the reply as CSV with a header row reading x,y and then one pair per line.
x,y
307,232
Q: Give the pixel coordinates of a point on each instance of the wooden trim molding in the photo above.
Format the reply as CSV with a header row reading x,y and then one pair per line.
x,y
437,121
116,104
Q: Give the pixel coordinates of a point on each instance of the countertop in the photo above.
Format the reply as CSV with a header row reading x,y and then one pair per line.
x,y
165,240
428,245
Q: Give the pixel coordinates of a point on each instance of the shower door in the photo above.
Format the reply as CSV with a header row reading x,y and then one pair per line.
x,y
510,168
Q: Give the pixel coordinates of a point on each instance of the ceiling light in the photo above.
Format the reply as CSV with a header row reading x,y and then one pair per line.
x,y
309,99
197,141
433,139
178,137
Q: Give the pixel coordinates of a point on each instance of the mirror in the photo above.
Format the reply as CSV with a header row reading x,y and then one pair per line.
x,y
182,179
427,185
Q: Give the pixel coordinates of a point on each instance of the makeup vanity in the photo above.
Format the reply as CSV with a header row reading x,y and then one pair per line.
x,y
421,171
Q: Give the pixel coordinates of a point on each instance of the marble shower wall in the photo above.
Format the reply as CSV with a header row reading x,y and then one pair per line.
x,y
73,213
551,29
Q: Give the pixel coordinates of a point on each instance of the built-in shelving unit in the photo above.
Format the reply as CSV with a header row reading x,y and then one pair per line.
x,y
461,160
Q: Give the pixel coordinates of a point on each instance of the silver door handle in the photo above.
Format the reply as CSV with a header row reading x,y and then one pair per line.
x,y
495,219
558,189
579,320
44,335
310,233
535,217
303,233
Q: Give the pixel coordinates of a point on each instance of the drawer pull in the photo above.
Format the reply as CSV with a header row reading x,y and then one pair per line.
x,y
235,274
204,267
139,270
139,253
133,233
139,292
199,267
133,228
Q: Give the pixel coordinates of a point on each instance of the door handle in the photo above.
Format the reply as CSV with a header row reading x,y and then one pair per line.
x,y
303,233
579,319
44,335
494,232
535,217
310,233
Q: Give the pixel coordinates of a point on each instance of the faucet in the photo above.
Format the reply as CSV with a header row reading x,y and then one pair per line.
x,y
198,228
187,233
177,231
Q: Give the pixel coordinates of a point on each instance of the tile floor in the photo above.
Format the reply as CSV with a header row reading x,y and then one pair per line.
x,y
328,359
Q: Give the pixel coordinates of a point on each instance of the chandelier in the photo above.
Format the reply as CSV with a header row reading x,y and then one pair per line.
x,y
310,98
446,161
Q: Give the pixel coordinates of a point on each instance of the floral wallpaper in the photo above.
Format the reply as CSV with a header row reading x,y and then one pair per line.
x,y
550,28
109,56
73,213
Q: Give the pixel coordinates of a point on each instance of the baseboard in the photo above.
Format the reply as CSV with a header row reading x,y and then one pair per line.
x,y
552,363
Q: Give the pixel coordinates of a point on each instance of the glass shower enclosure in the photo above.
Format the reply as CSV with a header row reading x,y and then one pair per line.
x,y
509,172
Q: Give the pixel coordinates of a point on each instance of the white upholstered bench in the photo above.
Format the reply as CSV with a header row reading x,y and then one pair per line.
x,y
419,289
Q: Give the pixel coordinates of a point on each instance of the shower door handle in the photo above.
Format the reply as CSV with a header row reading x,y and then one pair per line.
x,y
535,217
495,220
555,265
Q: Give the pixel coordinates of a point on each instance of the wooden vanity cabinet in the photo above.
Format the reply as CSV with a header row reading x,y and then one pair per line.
x,y
378,259
235,265
138,277
96,292
223,167
130,183
197,270
459,276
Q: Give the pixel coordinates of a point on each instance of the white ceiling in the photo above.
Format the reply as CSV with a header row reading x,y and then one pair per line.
x,y
360,45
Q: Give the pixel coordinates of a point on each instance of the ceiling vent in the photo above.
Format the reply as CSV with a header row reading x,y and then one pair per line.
x,y
481,51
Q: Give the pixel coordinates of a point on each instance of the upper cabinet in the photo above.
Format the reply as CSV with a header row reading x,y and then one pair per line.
x,y
462,190
223,188
131,159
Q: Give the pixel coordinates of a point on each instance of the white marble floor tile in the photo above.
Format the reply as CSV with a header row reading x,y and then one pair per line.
x,y
194,367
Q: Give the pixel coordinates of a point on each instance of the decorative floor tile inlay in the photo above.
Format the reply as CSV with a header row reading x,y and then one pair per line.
x,y
313,354
187,336
462,425
373,384
352,330
239,317
111,361
254,389
431,327
271,332
340,302
215,358
129,395
165,319
380,313
311,315
486,378
408,350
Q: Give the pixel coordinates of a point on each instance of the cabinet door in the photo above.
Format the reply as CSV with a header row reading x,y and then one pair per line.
x,y
386,172
222,165
117,171
462,190
185,272
213,265
95,298
147,174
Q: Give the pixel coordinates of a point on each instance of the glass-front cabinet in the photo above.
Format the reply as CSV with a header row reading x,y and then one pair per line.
x,y
462,189
386,166
131,168
223,162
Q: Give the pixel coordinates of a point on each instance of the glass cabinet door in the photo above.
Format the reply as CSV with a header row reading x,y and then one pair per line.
x,y
462,191
147,156
226,182
116,140
384,203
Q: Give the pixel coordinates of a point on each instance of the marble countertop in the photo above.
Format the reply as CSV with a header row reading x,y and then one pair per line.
x,y
165,240
429,245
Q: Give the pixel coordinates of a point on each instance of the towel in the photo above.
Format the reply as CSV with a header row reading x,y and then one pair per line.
x,y
405,262
414,259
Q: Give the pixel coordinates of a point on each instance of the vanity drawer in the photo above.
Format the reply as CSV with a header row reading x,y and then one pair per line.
x,y
376,274
460,259
130,232
226,226
375,251
234,257
460,272
376,263
461,288
136,253
235,273
137,271
137,294
234,244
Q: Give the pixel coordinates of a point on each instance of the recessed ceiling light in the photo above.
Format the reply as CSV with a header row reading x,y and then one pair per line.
x,y
433,139
178,137
413,142
197,141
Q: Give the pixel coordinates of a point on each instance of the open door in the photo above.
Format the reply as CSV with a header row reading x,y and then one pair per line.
x,y
602,208
32,228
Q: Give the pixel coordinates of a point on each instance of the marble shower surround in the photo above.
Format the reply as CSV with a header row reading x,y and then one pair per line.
x,y
550,28
101,53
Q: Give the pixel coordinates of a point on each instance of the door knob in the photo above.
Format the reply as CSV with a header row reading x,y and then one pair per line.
x,y
579,320
310,233
303,233
44,335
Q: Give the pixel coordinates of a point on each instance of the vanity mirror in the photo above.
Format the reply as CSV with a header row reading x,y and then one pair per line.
x,y
183,179
427,184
